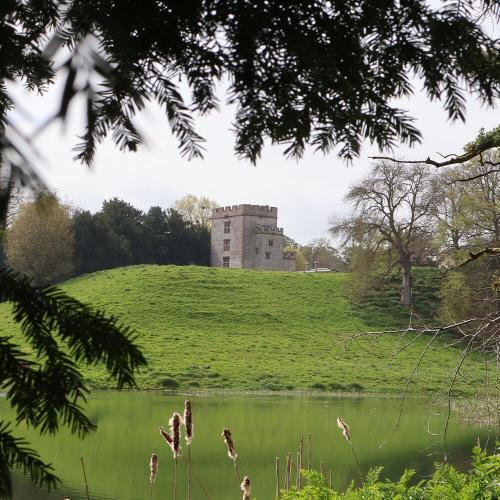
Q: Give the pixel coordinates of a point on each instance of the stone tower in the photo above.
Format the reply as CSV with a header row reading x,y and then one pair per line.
x,y
248,236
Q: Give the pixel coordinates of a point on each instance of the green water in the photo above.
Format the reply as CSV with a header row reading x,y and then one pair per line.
x,y
263,427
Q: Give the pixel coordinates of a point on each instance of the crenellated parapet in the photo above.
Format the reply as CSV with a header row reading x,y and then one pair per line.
x,y
267,229
245,209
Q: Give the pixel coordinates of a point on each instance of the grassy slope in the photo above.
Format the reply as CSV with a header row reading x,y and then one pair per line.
x,y
253,330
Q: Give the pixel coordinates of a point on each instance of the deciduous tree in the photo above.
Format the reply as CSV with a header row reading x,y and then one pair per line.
x,y
40,241
195,209
392,208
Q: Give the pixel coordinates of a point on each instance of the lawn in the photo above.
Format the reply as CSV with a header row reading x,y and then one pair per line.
x,y
214,328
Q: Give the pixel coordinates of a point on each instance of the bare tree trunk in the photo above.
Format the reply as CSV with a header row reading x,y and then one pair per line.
x,y
405,288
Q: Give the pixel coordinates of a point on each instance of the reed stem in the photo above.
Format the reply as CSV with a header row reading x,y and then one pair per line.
x,y
309,453
330,480
199,481
237,471
85,478
297,476
357,461
201,484
288,471
301,448
189,472
322,469
175,478
277,477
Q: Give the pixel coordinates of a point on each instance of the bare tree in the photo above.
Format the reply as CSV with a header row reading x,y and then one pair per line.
x,y
393,206
314,249
19,195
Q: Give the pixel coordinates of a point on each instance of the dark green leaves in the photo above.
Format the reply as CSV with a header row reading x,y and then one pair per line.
x,y
302,73
46,388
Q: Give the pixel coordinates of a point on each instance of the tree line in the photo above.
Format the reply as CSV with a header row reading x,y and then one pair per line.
x,y
49,241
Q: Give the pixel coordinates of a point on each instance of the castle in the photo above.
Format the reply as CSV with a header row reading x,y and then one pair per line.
x,y
248,236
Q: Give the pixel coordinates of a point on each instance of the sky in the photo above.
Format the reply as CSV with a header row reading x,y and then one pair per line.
x,y
307,192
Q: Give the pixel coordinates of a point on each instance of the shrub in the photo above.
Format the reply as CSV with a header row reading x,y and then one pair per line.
x,y
318,386
446,483
170,383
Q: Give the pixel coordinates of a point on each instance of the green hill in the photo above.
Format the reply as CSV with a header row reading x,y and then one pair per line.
x,y
254,330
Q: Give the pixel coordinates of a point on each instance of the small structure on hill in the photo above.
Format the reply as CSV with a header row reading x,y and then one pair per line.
x,y
248,236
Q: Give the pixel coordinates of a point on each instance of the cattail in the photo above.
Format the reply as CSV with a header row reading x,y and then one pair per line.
x,y
344,428
245,488
346,433
175,426
228,439
153,468
188,421
165,435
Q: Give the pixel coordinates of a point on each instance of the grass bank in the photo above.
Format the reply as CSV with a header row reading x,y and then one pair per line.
x,y
212,328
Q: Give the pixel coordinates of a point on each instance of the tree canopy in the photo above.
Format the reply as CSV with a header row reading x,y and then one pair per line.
x,y
392,211
301,73
196,210
40,241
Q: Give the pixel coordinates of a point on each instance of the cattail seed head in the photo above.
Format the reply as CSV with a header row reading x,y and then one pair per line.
x,y
175,432
228,439
165,435
245,488
188,421
344,428
153,468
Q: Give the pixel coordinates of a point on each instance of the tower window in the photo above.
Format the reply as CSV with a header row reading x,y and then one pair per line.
x,y
268,255
225,261
256,250
227,227
226,245
271,243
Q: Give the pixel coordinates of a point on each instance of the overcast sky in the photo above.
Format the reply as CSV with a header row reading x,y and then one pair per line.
x,y
306,193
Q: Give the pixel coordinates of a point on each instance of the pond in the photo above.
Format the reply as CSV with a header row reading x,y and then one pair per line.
x,y
263,426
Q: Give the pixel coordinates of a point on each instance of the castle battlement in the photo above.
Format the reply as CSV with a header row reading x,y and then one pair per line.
x,y
245,209
289,255
268,229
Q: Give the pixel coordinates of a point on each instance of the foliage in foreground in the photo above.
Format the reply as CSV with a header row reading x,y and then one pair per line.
x,y
42,378
446,483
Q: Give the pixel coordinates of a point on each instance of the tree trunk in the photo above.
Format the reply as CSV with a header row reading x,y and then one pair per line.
x,y
405,288
455,236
